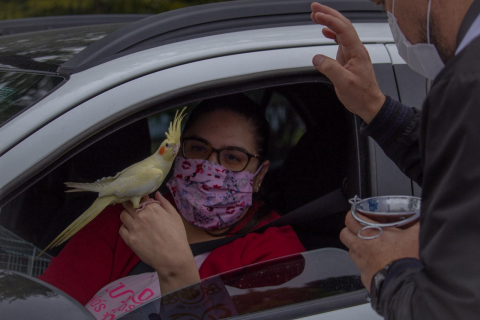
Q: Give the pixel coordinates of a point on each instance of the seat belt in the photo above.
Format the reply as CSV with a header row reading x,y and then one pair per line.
x,y
329,204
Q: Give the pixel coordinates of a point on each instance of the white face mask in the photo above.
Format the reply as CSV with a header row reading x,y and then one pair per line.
x,y
421,57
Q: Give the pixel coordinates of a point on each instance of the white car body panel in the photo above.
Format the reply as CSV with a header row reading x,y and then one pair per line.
x,y
91,82
393,51
361,312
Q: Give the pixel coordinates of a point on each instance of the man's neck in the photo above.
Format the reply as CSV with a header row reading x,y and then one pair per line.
x,y
449,15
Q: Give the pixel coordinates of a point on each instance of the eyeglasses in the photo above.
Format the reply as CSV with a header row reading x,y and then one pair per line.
x,y
232,158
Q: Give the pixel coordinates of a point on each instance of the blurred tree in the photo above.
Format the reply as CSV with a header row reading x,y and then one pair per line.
x,y
13,9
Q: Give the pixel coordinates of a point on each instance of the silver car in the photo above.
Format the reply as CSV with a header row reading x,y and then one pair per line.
x,y
82,102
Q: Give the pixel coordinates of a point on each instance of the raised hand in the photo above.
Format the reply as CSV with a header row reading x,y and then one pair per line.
x,y
158,237
352,72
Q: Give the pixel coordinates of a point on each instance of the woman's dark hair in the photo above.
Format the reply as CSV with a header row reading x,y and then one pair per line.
x,y
254,114
242,106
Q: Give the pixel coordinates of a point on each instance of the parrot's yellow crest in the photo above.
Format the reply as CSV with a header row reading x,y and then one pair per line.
x,y
131,184
175,128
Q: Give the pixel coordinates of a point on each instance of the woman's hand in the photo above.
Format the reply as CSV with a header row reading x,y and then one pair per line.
x,y
157,235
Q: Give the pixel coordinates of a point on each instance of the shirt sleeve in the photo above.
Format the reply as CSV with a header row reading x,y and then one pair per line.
x,y
396,130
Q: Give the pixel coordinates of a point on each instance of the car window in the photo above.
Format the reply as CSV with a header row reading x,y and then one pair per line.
x,y
20,90
279,283
310,138
16,254
35,222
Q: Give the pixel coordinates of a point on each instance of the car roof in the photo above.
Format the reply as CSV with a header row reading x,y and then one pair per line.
x,y
210,19
101,38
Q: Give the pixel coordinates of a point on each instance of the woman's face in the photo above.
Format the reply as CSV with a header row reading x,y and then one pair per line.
x,y
226,129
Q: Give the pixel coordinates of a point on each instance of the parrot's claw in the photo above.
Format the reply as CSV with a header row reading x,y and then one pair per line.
x,y
143,205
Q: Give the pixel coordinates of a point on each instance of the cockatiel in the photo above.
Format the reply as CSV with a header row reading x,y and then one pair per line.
x,y
131,184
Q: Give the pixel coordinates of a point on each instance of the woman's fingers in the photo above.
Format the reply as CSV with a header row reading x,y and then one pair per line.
x,y
129,209
126,218
165,204
124,233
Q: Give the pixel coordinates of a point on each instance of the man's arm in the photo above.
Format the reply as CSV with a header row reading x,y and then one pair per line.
x,y
396,130
393,125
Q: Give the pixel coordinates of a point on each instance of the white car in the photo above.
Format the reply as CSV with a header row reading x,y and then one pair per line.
x,y
81,103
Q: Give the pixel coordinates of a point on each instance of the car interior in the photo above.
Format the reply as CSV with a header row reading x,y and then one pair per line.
x,y
313,151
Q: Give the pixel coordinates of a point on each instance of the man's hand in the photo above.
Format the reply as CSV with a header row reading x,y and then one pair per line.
x,y
372,255
352,73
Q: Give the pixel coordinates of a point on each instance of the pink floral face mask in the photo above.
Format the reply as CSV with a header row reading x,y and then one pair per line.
x,y
208,195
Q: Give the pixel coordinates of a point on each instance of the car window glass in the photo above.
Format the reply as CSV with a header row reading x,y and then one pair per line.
x,y
36,216
16,254
286,127
35,222
303,119
277,283
158,123
19,90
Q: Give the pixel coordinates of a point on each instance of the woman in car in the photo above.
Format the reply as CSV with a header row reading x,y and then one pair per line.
x,y
223,148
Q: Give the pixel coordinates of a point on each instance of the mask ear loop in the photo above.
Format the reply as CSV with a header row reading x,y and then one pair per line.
x,y
393,8
258,170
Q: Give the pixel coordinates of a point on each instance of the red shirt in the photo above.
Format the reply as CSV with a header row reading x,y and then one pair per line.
x,y
97,255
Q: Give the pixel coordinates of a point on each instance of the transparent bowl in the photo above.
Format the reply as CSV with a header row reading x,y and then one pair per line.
x,y
387,211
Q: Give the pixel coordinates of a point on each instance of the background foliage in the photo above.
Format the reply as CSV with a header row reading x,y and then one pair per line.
x,y
13,9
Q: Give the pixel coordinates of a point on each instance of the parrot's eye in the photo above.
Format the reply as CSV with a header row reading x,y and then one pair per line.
x,y
167,144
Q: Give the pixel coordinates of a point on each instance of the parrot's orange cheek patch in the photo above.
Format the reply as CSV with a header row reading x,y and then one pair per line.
x,y
161,151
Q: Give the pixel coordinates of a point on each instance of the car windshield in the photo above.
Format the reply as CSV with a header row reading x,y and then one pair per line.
x,y
272,284
20,90
29,61
47,50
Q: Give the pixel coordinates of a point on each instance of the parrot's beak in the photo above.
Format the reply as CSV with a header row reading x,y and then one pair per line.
x,y
175,149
